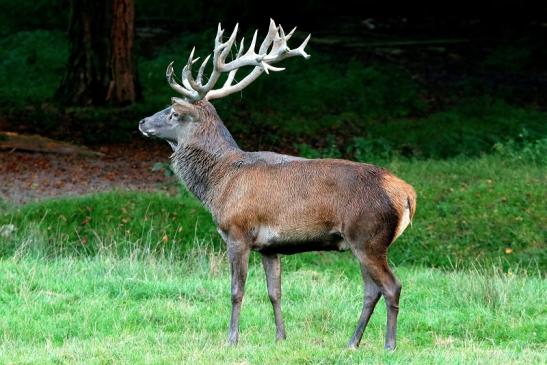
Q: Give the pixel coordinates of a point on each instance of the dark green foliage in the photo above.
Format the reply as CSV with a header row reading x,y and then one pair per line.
x,y
54,14
372,109
470,128
329,151
37,14
518,150
369,149
518,56
31,67
320,95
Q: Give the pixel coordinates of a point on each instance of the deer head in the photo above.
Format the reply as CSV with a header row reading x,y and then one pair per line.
x,y
176,123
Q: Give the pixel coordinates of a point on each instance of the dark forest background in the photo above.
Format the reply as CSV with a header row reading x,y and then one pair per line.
x,y
383,77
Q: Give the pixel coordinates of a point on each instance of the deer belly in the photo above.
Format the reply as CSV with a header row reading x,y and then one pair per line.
x,y
270,240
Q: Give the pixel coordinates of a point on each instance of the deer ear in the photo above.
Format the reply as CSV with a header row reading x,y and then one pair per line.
x,y
183,107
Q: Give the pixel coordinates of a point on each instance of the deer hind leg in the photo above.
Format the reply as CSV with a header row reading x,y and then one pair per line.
x,y
272,268
372,294
373,258
391,290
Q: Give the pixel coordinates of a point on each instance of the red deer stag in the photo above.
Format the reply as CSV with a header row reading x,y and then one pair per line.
x,y
278,204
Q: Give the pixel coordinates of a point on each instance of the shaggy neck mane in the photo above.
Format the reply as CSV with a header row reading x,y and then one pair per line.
x,y
207,157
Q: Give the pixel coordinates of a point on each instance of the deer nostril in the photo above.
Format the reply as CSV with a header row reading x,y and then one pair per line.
x,y
142,121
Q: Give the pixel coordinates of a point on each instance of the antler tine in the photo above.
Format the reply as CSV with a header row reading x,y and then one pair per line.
x,y
278,47
253,42
300,50
186,84
187,78
250,54
267,68
232,74
272,31
287,52
217,58
190,94
288,36
281,31
202,69
281,34
220,32
229,43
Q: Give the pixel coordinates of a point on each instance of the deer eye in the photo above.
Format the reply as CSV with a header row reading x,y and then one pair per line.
x,y
175,115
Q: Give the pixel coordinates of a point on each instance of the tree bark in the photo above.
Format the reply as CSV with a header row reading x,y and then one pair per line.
x,y
101,69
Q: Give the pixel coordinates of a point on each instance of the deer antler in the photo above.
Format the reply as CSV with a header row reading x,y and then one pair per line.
x,y
273,49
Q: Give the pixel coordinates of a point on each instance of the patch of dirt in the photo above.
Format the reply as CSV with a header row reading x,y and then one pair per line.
x,y
27,177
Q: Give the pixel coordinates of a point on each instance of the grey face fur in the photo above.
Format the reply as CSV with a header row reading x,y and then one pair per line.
x,y
166,124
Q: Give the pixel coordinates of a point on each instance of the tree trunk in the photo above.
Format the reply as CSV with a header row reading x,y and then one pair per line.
x,y
100,69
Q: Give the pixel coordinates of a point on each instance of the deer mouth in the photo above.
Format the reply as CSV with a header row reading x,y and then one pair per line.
x,y
151,133
146,132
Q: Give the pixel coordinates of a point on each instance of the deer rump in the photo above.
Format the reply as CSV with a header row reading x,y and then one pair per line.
x,y
313,205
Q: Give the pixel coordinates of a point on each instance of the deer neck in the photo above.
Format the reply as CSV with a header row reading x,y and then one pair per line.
x,y
207,157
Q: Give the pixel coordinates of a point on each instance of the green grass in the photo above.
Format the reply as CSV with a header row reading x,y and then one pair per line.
x,y
474,209
117,222
146,309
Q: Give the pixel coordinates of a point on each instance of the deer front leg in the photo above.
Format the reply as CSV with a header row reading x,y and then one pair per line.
x,y
238,254
272,267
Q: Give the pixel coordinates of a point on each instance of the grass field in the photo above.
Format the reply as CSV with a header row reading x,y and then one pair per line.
x,y
129,278
142,309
